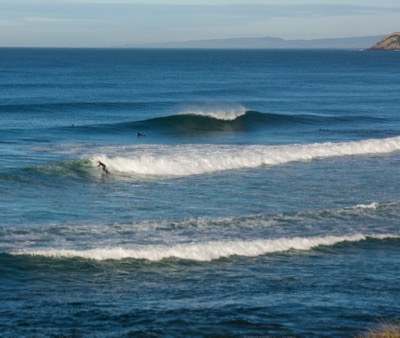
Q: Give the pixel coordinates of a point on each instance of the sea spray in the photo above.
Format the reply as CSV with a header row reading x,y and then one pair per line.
x,y
218,110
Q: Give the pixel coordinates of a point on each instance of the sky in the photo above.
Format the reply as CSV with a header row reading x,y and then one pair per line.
x,y
108,23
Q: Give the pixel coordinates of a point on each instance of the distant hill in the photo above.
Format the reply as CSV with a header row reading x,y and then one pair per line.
x,y
388,42
267,43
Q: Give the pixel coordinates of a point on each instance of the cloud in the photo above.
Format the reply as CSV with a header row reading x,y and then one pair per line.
x,y
164,10
53,20
303,10
36,19
9,23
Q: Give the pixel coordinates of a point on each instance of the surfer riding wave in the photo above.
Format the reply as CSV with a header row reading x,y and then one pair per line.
x,y
104,167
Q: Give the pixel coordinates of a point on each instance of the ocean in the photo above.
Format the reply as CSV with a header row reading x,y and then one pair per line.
x,y
261,196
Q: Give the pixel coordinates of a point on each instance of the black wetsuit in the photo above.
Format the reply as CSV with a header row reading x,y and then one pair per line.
x,y
104,167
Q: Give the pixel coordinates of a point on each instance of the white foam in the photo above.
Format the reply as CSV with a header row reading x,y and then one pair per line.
x,y
373,205
202,251
219,111
184,160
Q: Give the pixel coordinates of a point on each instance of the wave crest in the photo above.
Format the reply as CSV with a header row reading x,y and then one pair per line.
x,y
218,112
203,251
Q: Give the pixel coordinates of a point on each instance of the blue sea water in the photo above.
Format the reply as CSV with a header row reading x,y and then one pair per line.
x,y
264,198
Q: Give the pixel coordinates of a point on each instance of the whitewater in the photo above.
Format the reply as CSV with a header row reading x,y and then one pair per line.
x,y
202,251
186,160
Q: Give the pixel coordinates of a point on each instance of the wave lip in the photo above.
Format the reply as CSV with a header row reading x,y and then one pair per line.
x,y
203,251
225,113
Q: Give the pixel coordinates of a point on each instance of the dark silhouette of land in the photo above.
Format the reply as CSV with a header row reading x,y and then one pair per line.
x,y
267,43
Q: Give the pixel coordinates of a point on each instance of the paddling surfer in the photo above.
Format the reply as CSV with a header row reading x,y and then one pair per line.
x,y
104,167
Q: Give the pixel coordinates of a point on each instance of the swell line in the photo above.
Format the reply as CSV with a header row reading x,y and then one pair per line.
x,y
235,120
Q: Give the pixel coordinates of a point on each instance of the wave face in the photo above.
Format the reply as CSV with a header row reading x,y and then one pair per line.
x,y
203,121
236,119
197,121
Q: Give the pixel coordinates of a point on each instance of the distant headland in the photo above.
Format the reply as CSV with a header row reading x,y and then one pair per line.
x,y
388,42
266,42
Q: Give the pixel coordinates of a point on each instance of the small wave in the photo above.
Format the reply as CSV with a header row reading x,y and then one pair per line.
x,y
372,205
203,251
71,169
187,160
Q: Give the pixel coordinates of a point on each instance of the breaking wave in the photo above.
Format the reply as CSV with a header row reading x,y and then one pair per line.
x,y
205,239
165,161
203,251
187,160
217,111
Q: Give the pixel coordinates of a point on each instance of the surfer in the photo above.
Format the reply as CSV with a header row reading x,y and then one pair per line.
x,y
139,134
104,167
